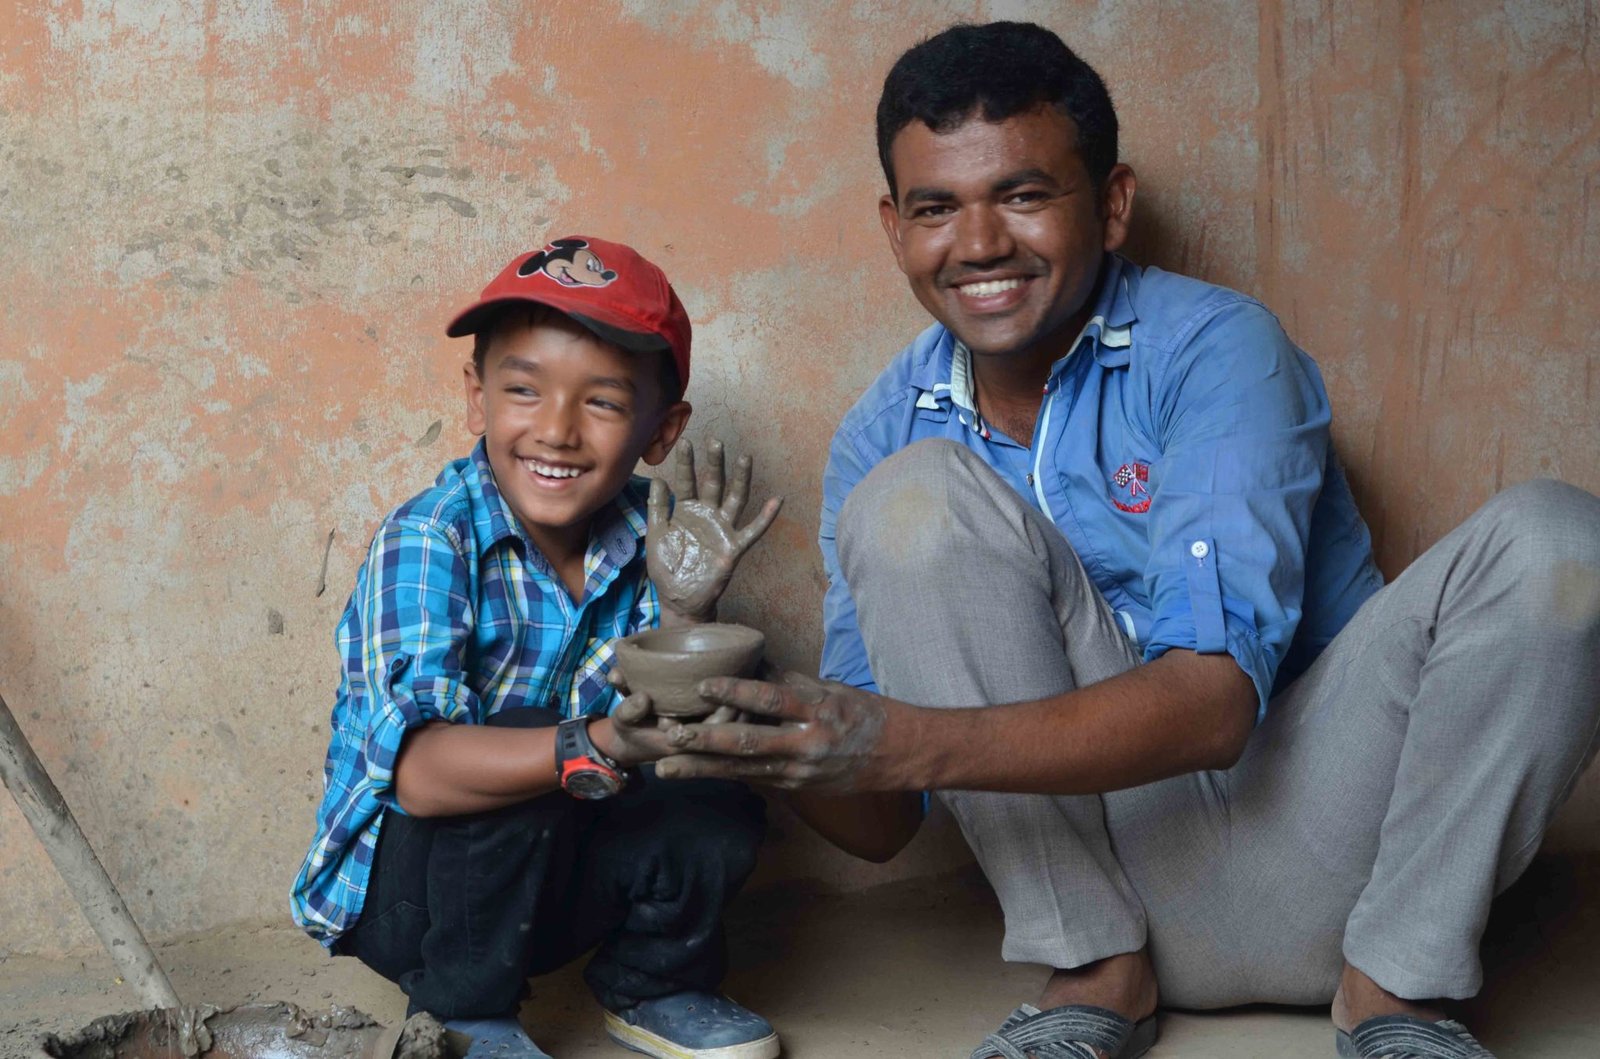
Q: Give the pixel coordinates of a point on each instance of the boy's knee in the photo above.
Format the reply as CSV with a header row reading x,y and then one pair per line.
x,y
731,820
723,841
710,829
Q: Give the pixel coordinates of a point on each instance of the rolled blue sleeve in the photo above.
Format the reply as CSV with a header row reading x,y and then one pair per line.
x,y
416,621
1243,422
844,655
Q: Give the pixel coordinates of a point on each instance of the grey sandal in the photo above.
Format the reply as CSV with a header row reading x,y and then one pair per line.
x,y
1075,1031
1407,1037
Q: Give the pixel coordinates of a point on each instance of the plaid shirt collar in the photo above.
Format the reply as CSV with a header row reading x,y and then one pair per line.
x,y
617,530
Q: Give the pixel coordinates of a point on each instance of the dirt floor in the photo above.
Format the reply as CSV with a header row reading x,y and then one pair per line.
x,y
906,970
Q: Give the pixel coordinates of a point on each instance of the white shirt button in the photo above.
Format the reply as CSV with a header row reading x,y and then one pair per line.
x,y
1199,550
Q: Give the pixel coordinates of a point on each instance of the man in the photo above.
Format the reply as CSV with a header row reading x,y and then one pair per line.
x,y
1091,524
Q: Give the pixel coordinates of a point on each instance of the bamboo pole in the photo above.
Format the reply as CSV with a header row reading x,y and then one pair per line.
x,y
47,813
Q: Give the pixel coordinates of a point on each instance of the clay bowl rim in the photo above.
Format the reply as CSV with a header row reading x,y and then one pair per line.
x,y
650,641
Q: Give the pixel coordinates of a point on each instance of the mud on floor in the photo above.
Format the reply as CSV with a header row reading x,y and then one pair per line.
x,y
910,969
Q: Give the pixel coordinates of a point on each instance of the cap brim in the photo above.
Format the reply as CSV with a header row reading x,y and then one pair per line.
x,y
471,321
632,341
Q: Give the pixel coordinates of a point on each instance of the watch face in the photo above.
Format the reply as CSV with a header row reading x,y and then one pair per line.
x,y
591,783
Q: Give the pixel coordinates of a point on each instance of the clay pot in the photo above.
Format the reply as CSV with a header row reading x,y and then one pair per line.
x,y
669,664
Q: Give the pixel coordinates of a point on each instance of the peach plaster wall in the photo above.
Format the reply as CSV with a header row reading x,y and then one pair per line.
x,y
231,231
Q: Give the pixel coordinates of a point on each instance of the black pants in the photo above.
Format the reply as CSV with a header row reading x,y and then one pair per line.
x,y
461,911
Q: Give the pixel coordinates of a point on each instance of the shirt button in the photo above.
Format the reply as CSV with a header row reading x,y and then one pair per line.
x,y
1199,550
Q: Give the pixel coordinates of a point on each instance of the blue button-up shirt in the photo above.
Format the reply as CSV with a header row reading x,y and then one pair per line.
x,y
456,615
1181,447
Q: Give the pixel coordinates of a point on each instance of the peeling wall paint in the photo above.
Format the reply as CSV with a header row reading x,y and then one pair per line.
x,y
231,232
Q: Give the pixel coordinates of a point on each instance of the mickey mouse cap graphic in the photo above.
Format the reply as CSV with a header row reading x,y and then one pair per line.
x,y
607,287
569,262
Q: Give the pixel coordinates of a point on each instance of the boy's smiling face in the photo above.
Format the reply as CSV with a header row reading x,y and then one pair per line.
x,y
565,419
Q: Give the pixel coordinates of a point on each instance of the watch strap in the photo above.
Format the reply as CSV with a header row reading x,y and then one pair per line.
x,y
576,754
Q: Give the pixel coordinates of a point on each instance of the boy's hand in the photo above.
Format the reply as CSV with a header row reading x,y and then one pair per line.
x,y
632,735
636,734
692,551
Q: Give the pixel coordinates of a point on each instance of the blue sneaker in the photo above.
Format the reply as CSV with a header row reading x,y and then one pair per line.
x,y
497,1039
693,1025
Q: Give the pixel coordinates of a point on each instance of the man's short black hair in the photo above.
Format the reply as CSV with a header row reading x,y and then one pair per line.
x,y
996,71
667,382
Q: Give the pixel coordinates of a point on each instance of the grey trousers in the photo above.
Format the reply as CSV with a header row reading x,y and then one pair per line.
x,y
1393,789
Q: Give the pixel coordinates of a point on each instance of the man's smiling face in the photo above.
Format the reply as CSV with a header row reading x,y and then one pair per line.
x,y
1001,231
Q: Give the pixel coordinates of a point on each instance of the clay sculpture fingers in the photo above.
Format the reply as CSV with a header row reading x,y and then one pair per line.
x,y
693,545
738,490
657,507
683,486
758,525
709,480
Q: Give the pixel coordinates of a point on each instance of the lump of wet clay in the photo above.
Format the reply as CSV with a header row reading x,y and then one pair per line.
x,y
254,1031
669,664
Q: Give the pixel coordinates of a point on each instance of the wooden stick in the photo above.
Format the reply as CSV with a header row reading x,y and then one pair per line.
x,y
47,813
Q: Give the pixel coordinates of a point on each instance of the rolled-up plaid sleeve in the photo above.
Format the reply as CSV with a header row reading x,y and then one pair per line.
x,y
415,621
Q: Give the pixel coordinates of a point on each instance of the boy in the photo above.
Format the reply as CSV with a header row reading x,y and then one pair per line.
x,y
480,824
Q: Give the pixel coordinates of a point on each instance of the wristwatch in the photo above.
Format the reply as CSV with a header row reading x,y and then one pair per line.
x,y
584,771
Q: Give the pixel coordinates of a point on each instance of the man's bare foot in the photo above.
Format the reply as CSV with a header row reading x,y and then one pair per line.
x,y
1360,998
1125,984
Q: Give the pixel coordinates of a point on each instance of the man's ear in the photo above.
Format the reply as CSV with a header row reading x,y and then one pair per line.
x,y
667,432
477,422
1116,204
889,217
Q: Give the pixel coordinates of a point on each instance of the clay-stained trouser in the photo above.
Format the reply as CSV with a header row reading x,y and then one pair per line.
x,y
1393,789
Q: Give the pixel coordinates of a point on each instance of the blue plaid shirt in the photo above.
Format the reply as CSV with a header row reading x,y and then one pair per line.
x,y
456,616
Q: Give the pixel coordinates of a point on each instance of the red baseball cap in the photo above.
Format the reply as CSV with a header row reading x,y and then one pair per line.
x,y
607,287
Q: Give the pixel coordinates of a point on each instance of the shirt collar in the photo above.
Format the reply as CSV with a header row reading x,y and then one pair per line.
x,y
618,527
947,374
621,525
1114,316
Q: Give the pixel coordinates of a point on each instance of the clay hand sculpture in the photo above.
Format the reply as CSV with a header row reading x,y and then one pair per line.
x,y
692,549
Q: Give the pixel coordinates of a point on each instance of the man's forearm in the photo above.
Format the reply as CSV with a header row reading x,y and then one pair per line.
x,y
873,826
1181,713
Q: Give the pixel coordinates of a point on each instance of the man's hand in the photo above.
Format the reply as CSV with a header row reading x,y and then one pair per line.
x,y
1180,713
829,737
692,551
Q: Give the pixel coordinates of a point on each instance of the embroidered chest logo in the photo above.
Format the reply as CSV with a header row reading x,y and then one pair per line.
x,y
1130,490
570,263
